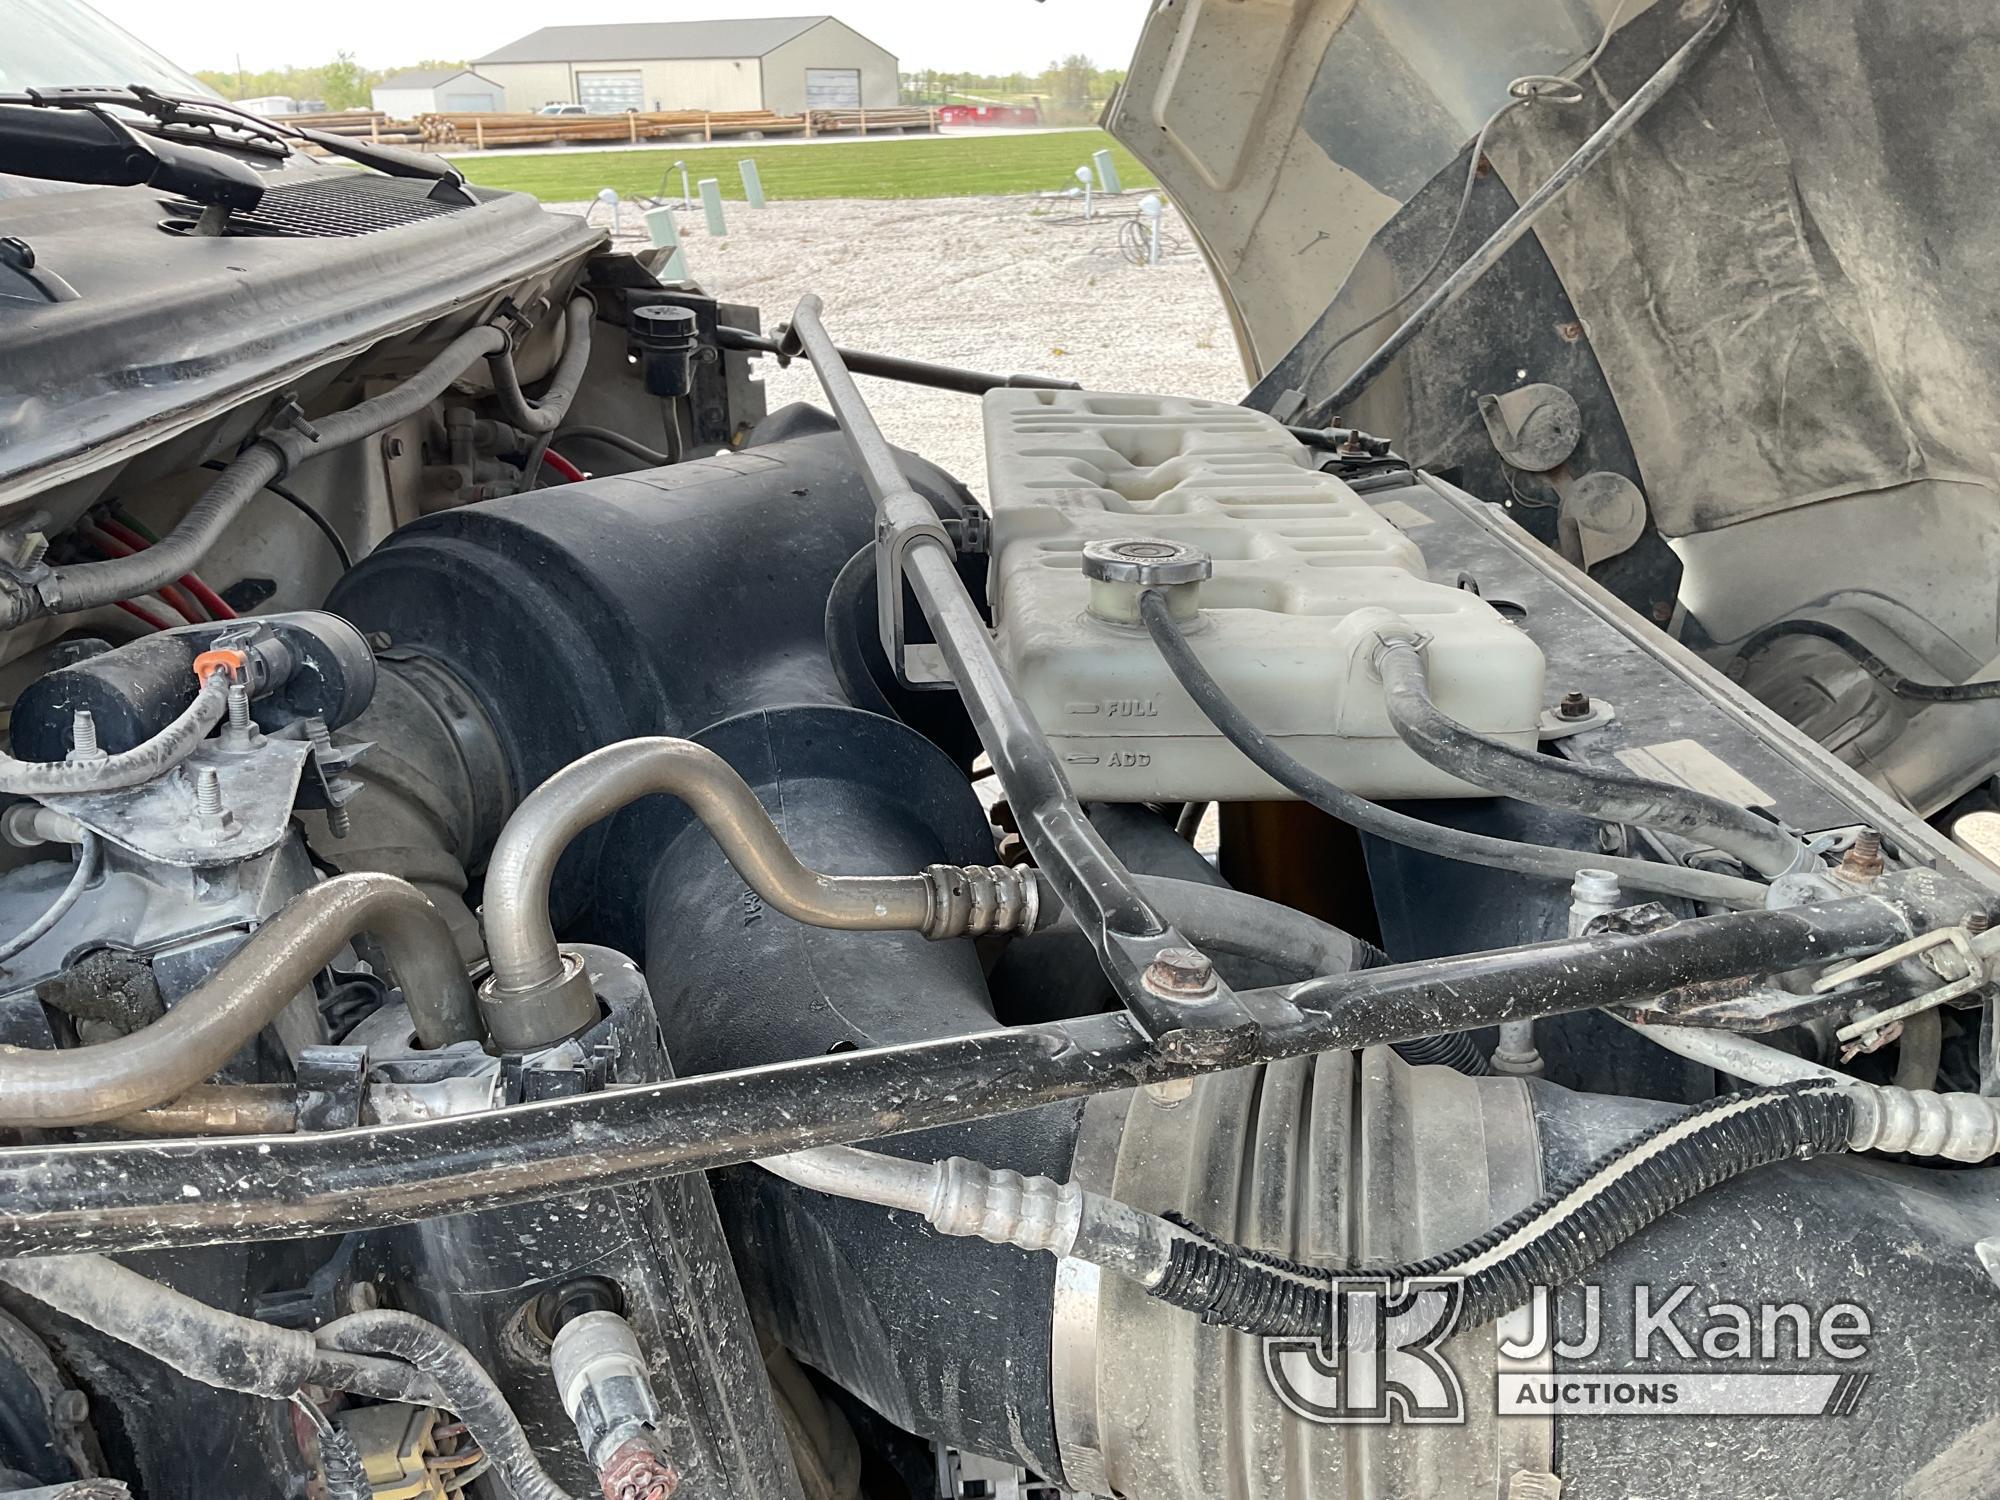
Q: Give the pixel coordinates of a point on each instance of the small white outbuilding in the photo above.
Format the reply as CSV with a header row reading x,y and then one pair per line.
x,y
448,91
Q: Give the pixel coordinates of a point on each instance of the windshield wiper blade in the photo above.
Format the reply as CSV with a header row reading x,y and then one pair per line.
x,y
165,109
88,145
189,110
394,163
384,159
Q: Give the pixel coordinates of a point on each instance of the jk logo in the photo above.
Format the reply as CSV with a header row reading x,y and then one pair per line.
x,y
1379,1361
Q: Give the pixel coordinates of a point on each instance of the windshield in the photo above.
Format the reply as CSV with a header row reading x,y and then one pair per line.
x,y
56,43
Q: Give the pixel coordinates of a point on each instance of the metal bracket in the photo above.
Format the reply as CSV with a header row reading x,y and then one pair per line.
x,y
1552,726
1943,950
901,520
331,1084
1204,1022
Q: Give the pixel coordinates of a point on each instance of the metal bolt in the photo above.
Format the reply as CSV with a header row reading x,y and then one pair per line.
x,y
337,821
207,793
83,737
378,640
1977,920
239,709
1181,974
392,447
70,1408
1172,1093
1864,860
1574,706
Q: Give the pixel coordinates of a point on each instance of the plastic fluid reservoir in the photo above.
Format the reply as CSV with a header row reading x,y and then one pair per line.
x,y
1304,570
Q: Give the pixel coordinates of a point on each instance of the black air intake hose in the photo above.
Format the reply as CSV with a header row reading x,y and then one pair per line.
x,y
1551,1242
945,1337
656,602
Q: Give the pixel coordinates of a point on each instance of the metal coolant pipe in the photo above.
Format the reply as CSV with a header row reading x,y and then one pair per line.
x,y
88,1085
537,994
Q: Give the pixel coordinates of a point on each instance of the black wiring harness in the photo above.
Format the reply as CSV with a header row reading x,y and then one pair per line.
x,y
1549,1243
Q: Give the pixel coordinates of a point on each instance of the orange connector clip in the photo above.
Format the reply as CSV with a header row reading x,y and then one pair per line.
x,y
226,660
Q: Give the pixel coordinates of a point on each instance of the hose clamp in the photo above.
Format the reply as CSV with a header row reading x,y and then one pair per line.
x,y
1397,637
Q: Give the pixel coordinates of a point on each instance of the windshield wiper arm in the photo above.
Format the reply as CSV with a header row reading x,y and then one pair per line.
x,y
88,145
187,110
394,163
387,160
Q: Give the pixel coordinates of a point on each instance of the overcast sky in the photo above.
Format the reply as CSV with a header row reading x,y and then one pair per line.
x,y
984,36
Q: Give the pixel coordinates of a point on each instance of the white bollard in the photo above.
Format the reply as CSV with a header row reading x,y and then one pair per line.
x,y
687,196
753,185
711,204
665,233
1107,172
1083,175
610,196
1153,210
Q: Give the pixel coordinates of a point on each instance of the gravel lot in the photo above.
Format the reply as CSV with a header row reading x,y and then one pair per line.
x,y
1000,284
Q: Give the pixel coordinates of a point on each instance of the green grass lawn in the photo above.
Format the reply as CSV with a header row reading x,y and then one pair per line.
x,y
912,167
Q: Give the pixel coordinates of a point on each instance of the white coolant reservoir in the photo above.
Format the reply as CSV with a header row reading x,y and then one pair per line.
x,y
1304,572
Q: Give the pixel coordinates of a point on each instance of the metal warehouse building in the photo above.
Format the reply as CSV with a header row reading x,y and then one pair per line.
x,y
785,65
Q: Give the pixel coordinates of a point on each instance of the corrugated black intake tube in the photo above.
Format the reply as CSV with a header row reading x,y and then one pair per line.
x,y
1550,1243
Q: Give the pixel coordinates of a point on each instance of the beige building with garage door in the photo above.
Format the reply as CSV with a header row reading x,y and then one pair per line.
x,y
784,65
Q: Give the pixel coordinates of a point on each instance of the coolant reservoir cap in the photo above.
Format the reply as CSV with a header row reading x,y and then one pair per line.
x,y
1121,569
1150,562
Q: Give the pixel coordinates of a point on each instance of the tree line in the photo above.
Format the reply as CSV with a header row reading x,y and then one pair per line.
x,y
1074,82
340,84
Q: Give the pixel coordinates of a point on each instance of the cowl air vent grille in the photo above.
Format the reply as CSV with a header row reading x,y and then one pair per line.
x,y
323,210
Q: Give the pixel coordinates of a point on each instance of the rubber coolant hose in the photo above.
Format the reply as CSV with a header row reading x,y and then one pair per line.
x,y
1532,861
541,417
1548,781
